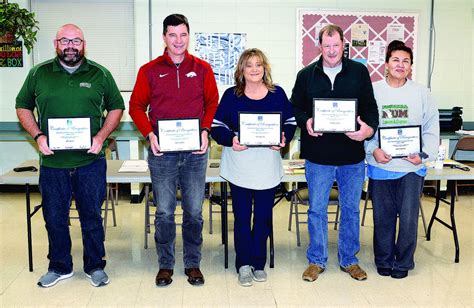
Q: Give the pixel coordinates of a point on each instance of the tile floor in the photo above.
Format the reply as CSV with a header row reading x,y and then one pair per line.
x,y
436,280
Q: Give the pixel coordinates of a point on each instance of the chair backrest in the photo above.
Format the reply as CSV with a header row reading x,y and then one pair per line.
x,y
465,143
216,151
112,147
296,155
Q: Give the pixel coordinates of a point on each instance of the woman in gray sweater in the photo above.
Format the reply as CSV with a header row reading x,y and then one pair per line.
x,y
396,183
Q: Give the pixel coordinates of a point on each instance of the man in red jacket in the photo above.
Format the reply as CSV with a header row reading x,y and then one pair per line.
x,y
176,85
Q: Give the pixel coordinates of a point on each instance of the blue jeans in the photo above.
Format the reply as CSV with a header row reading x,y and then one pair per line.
x,y
320,178
57,185
391,198
250,238
167,172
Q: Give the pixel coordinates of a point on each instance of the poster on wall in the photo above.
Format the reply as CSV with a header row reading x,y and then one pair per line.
x,y
11,54
359,35
222,51
395,32
366,33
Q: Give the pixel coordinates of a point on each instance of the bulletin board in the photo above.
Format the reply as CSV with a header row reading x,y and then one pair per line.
x,y
366,35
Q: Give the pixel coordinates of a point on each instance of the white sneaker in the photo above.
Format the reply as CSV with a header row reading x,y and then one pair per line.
x,y
245,276
259,275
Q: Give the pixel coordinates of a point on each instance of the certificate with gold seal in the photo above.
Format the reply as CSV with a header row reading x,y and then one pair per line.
x,y
400,141
179,135
334,115
260,129
66,134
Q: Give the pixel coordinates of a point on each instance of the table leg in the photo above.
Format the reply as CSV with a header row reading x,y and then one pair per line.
x,y
28,227
225,235
452,187
435,211
147,216
452,227
272,247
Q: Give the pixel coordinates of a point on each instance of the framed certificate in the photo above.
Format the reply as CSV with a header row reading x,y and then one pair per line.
x,y
179,135
334,115
400,141
260,129
69,133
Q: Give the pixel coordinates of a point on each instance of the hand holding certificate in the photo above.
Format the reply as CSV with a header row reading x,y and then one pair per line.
x,y
179,135
400,141
334,115
69,133
260,129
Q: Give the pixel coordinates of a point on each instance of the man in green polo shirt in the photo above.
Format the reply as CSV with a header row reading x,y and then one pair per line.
x,y
71,86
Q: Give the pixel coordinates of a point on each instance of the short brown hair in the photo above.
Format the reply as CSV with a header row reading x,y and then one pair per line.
x,y
330,30
239,71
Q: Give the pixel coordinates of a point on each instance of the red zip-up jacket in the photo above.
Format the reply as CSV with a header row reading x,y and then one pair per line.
x,y
165,91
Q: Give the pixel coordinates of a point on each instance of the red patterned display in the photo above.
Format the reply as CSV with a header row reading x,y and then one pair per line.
x,y
378,25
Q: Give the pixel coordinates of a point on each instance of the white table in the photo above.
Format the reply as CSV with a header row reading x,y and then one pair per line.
x,y
212,175
113,176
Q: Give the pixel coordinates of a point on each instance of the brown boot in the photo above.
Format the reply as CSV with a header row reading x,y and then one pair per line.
x,y
355,271
312,272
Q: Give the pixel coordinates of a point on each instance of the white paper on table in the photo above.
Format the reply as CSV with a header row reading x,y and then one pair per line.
x,y
465,132
134,166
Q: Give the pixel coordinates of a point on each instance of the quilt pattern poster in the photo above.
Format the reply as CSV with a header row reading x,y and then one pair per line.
x,y
222,51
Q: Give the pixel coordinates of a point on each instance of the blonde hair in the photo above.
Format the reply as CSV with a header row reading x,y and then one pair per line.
x,y
239,71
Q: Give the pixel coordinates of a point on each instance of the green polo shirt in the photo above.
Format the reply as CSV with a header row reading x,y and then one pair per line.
x,y
54,92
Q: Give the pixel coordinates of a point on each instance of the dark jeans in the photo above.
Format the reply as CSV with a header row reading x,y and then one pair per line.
x,y
250,239
391,198
167,172
57,186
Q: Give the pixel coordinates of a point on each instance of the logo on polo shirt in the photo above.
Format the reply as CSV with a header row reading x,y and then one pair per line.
x,y
191,74
85,85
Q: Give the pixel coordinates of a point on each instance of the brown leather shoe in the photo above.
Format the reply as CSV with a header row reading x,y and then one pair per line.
x,y
163,278
195,277
312,272
355,271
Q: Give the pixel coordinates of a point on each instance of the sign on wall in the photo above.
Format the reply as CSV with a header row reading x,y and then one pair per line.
x,y
366,33
11,54
222,51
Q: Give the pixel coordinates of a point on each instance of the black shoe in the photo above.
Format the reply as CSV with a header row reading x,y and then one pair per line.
x,y
163,278
195,277
382,271
397,274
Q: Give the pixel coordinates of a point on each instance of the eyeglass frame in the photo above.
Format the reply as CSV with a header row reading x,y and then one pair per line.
x,y
70,41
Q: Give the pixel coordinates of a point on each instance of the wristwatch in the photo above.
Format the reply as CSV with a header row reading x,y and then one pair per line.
x,y
423,155
206,129
38,135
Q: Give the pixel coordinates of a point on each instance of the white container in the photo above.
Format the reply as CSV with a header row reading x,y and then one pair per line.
x,y
440,158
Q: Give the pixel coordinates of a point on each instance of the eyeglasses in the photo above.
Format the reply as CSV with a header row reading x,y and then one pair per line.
x,y
65,41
